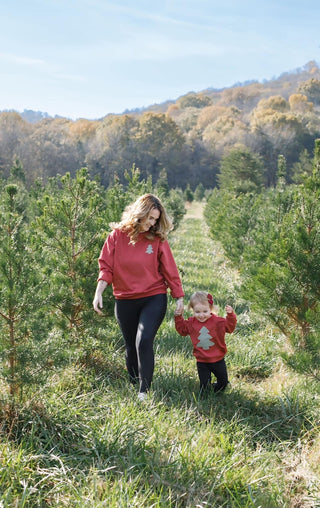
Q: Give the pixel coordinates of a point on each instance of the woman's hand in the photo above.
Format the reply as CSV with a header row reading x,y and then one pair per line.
x,y
97,300
179,308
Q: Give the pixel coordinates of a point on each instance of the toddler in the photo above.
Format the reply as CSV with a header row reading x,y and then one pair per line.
x,y
207,332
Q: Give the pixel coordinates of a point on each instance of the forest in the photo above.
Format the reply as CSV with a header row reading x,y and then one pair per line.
x,y
187,138
239,173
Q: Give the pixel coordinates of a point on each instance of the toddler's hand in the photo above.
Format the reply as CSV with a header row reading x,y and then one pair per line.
x,y
229,309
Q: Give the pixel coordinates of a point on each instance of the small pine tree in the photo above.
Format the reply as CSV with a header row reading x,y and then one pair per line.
x,y
241,171
135,185
282,171
282,267
116,199
199,192
72,228
274,238
162,187
188,194
174,204
302,168
17,172
26,347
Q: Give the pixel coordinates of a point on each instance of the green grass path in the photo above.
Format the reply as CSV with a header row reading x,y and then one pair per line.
x,y
200,259
83,441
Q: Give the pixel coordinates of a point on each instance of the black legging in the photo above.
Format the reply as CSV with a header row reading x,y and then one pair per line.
x,y
219,369
139,320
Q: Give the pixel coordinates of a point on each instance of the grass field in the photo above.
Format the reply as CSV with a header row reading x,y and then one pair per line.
x,y
84,441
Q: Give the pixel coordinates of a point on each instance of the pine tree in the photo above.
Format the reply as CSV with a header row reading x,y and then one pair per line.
x,y
241,171
72,228
302,168
174,204
17,171
282,171
116,199
274,238
199,192
162,187
188,194
135,185
282,271
26,347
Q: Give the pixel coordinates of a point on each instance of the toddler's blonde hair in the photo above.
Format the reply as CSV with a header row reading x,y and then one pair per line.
x,y
200,297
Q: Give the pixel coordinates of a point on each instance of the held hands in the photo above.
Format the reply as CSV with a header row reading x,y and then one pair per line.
x,y
229,309
179,308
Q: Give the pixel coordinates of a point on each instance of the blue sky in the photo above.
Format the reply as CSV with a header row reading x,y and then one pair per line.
x,y
89,58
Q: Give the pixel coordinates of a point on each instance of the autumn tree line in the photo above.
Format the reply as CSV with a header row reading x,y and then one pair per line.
x,y
187,138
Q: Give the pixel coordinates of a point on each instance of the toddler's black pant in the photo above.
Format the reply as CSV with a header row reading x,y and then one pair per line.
x,y
139,320
219,369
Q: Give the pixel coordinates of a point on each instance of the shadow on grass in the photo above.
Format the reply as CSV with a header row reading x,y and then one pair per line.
x,y
115,439
270,418
267,418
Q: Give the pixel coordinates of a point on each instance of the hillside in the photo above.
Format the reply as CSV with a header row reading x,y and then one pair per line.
x,y
284,85
250,92
187,138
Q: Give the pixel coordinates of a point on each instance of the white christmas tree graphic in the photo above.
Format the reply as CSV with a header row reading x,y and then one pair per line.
x,y
205,339
149,249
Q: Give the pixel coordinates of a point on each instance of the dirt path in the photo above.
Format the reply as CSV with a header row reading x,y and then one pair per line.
x,y
195,210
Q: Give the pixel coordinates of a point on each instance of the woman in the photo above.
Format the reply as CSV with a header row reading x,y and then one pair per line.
x,y
137,260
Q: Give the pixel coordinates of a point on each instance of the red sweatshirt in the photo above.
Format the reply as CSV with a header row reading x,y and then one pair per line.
x,y
144,269
208,337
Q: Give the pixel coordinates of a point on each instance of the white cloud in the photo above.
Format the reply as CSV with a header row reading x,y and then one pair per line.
x,y
41,67
21,60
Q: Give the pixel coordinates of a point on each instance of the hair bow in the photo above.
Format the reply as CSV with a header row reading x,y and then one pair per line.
x,y
210,299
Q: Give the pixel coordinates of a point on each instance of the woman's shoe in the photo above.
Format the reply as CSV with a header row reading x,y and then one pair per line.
x,y
142,396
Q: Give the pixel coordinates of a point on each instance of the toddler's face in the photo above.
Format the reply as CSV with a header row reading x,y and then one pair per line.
x,y
201,311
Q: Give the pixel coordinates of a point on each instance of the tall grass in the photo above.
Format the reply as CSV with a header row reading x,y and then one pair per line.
x,y
84,441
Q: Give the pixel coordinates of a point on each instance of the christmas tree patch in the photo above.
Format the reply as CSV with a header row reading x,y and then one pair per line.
x,y
149,249
205,339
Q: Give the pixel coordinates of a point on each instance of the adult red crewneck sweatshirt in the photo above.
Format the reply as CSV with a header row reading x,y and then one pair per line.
x,y
146,268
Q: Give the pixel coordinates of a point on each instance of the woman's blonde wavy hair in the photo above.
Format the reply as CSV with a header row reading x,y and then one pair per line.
x,y
139,210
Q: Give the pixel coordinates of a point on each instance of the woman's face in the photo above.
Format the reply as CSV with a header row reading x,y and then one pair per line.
x,y
149,220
